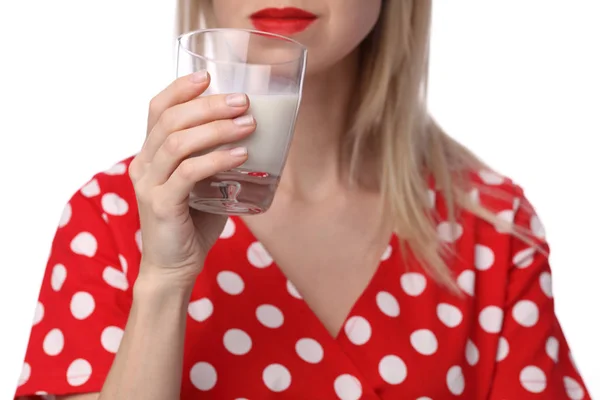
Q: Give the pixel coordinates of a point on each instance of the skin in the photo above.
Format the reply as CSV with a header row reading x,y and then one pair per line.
x,y
313,209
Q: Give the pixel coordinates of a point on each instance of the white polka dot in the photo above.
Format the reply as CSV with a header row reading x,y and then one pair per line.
x,y
471,353
138,240
115,278
270,316
91,189
516,203
59,274
431,198
258,255
387,253
552,348
449,231
200,310
537,228
388,304
117,169
82,305
237,342
503,349
455,380
573,388
392,369
230,282
123,262
39,313
65,217
533,379
111,338
474,196
413,283
292,290
504,221
524,258
113,204
490,177
347,387
358,330
84,244
424,342
466,281
79,372
491,319
203,376
309,350
105,217
484,257
54,342
277,378
546,283
526,313
450,315
228,230
25,374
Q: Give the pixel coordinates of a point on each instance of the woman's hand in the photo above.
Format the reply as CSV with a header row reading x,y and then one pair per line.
x,y
176,238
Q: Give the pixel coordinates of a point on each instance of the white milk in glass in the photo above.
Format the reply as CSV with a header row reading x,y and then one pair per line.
x,y
251,187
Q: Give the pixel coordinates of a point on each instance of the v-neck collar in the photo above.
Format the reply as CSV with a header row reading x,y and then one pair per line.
x,y
390,258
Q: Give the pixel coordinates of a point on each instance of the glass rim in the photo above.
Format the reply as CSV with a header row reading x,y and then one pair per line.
x,y
302,48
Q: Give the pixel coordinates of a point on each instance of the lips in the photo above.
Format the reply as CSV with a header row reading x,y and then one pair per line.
x,y
284,21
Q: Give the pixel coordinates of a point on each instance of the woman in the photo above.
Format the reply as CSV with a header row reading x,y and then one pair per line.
x,y
430,282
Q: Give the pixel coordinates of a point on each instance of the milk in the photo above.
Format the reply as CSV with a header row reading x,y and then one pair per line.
x,y
250,188
267,147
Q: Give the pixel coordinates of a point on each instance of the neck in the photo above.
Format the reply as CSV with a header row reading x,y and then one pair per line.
x,y
312,169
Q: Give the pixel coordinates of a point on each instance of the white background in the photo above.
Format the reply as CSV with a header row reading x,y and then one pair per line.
x,y
517,81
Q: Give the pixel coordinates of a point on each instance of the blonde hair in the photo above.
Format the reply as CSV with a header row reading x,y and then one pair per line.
x,y
391,125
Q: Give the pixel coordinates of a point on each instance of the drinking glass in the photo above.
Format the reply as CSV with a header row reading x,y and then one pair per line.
x,y
269,69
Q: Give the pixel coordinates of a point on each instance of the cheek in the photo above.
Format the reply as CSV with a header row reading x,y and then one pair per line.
x,y
224,12
348,25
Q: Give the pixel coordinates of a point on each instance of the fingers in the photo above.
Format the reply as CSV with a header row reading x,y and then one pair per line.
x,y
182,144
193,113
176,190
179,91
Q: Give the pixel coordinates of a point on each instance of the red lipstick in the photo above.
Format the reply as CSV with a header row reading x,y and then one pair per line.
x,y
283,21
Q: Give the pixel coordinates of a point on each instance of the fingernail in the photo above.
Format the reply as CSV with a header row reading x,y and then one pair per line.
x,y
235,100
239,152
244,120
199,76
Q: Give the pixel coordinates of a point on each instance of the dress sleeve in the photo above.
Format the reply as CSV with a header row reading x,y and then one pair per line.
x,y
533,360
82,307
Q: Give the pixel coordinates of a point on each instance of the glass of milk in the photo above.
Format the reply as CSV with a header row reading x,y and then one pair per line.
x,y
268,68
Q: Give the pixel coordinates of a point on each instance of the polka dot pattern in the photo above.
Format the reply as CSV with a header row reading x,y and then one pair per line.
x,y
237,342
358,330
413,283
388,304
251,334
79,372
310,350
347,387
392,369
424,342
277,378
203,376
111,338
533,379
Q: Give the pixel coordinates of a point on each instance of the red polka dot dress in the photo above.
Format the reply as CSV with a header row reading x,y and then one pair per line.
x,y
251,336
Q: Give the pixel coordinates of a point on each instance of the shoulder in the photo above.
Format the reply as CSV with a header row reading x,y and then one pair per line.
x,y
103,211
497,232
110,192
